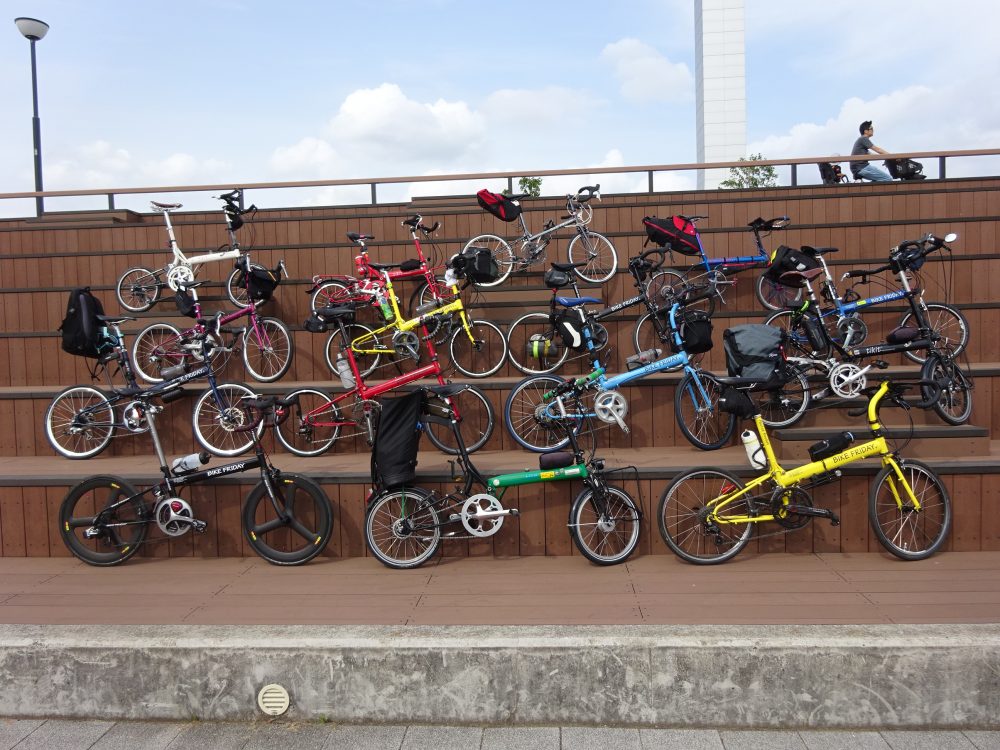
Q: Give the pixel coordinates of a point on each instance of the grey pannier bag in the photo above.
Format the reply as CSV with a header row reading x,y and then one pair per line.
x,y
753,351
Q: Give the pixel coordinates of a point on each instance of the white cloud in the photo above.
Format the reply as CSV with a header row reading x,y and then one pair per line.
x,y
645,75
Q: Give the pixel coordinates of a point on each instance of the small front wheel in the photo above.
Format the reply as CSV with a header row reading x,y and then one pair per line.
x,y
605,525
477,420
402,528
138,289
687,526
527,417
901,528
533,345
292,528
80,422
312,425
696,404
367,361
236,285
947,322
653,332
267,349
774,295
158,347
103,521
479,351
219,418
500,250
954,404
597,252
786,404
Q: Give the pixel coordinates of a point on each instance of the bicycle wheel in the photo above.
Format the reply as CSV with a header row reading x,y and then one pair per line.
x,y
662,288
120,531
401,528
481,355
329,294
785,404
682,515
313,424
774,295
237,293
80,422
267,349
533,345
219,417
502,254
138,289
798,343
527,423
157,347
906,532
366,362
646,336
476,425
304,527
947,322
424,295
605,530
701,420
954,405
597,252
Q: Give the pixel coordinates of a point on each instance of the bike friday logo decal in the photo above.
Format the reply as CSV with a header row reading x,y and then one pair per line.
x,y
881,298
225,469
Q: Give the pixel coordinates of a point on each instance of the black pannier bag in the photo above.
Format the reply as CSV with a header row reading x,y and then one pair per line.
x,y
787,259
736,401
394,455
185,304
695,328
263,283
905,169
831,174
83,334
676,233
477,264
567,322
501,206
753,351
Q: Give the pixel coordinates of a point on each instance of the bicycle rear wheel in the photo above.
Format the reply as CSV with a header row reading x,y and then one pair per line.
x,y
775,296
500,250
683,517
597,252
954,404
157,347
533,346
947,322
477,422
906,532
367,363
303,528
698,414
481,355
605,529
117,535
80,422
785,404
219,417
267,349
312,425
138,289
402,528
526,418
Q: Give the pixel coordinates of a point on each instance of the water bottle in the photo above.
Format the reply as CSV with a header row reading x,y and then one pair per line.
x,y
754,451
643,358
343,370
187,464
383,304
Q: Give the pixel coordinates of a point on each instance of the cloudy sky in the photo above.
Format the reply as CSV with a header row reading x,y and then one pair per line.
x,y
231,91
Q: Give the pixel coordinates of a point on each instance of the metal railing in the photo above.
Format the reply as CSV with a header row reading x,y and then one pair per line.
x,y
650,170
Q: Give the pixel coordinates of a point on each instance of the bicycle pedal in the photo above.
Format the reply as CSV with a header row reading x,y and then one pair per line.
x,y
834,520
454,517
199,526
513,512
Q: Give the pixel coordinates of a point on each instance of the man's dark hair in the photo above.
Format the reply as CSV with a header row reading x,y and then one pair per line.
x,y
864,126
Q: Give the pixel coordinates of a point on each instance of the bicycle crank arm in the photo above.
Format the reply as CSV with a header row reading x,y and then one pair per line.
x,y
808,510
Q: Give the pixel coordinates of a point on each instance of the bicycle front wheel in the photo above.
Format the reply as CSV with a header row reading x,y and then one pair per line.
x,y
138,289
111,537
528,420
785,404
238,293
301,527
684,523
954,404
402,528
500,250
799,343
533,346
948,323
605,526
312,425
696,404
597,252
479,351
774,295
367,363
219,418
80,422
653,332
477,420
267,349
156,348
906,532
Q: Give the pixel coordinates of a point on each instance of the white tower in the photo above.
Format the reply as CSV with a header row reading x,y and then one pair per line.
x,y
721,86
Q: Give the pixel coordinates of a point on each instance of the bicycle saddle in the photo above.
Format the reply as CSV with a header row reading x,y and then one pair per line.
x,y
114,319
567,267
355,236
384,266
557,460
165,206
339,311
576,301
818,251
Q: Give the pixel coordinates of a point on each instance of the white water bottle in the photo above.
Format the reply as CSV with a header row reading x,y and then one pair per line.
x,y
755,454
187,464
343,369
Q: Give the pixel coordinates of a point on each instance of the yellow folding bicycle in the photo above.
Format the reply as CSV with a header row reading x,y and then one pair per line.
x,y
707,515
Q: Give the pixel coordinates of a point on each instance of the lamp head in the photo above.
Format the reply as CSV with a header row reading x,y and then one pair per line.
x,y
32,28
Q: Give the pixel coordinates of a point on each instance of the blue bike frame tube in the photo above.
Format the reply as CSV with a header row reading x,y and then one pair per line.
x,y
846,308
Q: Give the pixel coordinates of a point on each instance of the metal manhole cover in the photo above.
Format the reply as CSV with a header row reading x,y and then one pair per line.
x,y
273,699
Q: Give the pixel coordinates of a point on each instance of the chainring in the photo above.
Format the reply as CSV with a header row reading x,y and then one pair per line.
x,y
178,275
473,523
790,495
847,380
853,330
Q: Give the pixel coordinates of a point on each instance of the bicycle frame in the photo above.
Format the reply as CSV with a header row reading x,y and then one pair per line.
x,y
180,259
843,309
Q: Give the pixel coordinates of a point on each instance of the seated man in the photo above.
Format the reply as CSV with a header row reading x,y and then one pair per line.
x,y
863,169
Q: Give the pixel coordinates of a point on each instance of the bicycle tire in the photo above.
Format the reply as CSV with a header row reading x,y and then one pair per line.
x,y
239,295
535,360
662,288
388,528
774,295
216,424
954,402
367,363
646,337
423,295
785,404
906,533
268,351
797,342
483,354
329,294
500,250
680,516
520,412
704,425
599,254
478,421
306,529
113,545
946,321
156,348
138,289
605,537
309,437
80,422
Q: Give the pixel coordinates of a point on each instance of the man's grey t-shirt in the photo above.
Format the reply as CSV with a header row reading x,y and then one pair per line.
x,y
861,146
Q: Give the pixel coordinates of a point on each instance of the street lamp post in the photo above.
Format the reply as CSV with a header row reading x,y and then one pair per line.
x,y
33,30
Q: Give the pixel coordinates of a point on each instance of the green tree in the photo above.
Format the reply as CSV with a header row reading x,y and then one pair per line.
x,y
751,177
529,185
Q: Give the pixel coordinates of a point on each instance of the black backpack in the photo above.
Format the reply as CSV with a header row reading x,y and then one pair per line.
x,y
394,455
831,173
82,332
905,169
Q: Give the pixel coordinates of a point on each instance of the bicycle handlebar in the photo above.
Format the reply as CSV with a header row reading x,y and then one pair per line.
x,y
895,395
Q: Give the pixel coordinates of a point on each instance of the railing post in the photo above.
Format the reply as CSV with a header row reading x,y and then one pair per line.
x,y
374,196
510,186
111,201
795,175
650,173
941,170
